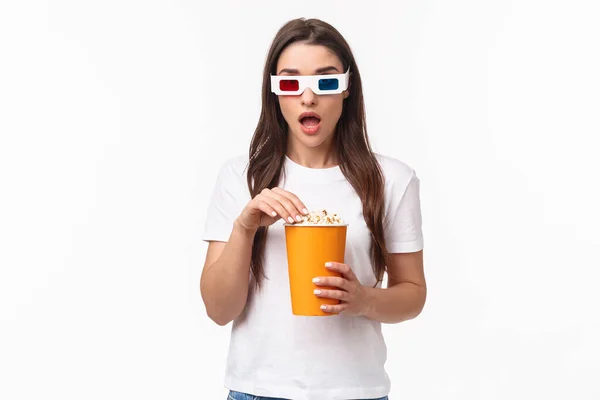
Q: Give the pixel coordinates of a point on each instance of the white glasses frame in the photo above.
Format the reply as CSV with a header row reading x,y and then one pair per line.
x,y
309,81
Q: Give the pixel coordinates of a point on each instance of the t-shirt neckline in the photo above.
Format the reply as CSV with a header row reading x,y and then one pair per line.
x,y
296,170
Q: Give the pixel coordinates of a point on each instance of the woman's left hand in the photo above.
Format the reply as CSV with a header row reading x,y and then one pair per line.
x,y
354,297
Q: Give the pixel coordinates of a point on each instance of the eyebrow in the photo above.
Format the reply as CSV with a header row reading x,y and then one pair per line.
x,y
318,70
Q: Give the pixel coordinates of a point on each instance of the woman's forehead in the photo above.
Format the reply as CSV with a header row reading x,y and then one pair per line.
x,y
304,59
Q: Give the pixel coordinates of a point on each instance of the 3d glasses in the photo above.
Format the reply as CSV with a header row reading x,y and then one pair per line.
x,y
319,84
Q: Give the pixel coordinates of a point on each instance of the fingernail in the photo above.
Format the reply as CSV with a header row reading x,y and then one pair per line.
x,y
328,264
323,307
291,220
298,218
317,291
316,280
305,211
274,214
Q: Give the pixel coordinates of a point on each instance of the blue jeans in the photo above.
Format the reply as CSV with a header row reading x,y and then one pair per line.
x,y
244,396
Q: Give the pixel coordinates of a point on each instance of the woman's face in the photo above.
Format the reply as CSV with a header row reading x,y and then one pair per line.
x,y
302,59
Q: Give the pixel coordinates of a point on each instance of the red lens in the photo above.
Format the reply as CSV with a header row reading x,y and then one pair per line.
x,y
288,85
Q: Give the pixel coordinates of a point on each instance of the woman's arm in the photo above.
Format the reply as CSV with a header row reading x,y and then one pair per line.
x,y
403,299
224,280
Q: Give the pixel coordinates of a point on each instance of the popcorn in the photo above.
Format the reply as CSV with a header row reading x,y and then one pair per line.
x,y
321,217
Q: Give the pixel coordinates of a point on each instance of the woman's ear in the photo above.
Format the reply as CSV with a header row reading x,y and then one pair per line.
x,y
347,91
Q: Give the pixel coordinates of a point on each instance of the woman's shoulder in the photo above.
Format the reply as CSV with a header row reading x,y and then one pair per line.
x,y
235,166
394,169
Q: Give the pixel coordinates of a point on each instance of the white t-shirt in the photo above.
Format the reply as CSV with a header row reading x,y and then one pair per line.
x,y
274,353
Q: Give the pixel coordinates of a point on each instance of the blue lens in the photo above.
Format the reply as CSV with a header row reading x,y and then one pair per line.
x,y
329,84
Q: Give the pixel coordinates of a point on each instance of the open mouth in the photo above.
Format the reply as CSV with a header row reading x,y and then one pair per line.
x,y
310,121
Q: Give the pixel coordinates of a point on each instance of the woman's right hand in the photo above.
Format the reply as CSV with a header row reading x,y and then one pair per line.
x,y
271,204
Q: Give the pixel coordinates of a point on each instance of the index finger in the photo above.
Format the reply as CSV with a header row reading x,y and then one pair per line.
x,y
293,198
342,268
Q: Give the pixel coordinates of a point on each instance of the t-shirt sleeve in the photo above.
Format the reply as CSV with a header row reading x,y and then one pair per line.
x,y
228,199
403,224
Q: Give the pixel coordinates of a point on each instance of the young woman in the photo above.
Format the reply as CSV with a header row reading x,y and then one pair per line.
x,y
310,151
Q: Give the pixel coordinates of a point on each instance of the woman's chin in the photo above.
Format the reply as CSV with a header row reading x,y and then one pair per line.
x,y
310,140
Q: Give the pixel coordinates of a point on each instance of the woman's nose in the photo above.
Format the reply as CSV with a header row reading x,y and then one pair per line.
x,y
308,97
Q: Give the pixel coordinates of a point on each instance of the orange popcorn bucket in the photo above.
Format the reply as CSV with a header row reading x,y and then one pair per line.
x,y
309,247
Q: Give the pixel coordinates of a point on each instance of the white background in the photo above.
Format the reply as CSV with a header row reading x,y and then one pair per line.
x,y
115,116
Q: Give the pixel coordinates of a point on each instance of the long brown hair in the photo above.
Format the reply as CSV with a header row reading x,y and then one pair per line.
x,y
355,156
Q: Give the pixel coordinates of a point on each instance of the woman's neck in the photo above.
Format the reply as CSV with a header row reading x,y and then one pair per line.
x,y
319,157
